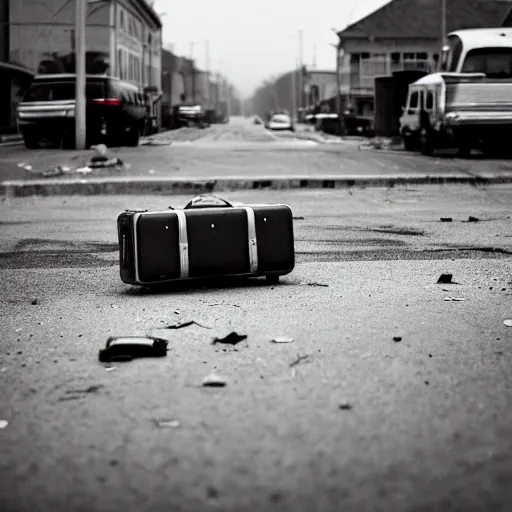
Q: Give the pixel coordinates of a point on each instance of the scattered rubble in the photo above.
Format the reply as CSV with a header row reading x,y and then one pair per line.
x,y
232,338
181,325
167,423
445,279
214,381
132,347
299,360
282,339
155,142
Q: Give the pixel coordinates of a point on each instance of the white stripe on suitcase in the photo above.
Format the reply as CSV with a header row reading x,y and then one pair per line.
x,y
183,241
253,240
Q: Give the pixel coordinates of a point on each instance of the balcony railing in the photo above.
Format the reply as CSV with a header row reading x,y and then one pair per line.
x,y
363,81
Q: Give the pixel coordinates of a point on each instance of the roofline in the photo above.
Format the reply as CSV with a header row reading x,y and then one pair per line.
x,y
149,11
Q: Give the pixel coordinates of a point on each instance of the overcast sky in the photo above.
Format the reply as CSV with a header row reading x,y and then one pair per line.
x,y
250,40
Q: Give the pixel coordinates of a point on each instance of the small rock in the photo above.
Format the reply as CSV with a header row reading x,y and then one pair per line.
x,y
214,381
345,406
3,424
282,339
473,219
446,219
167,423
212,493
34,302
396,339
508,323
445,278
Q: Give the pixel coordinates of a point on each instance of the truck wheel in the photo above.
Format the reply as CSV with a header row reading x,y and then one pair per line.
x,y
409,141
427,141
31,141
133,136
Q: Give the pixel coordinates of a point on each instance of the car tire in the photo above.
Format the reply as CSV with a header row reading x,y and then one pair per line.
x,y
427,141
133,136
31,141
410,144
272,279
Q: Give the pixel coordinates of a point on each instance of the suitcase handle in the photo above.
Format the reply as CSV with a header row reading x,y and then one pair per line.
x,y
206,201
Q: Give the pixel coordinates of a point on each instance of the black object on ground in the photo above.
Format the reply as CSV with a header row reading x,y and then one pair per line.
x,y
232,338
127,348
446,219
445,279
180,325
299,360
396,339
473,219
345,406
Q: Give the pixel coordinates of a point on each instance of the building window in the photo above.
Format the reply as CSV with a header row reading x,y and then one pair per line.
x,y
122,20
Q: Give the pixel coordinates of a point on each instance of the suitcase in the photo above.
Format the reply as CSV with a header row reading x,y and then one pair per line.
x,y
208,238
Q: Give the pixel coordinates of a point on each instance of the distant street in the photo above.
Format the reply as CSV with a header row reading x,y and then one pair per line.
x,y
389,398
243,149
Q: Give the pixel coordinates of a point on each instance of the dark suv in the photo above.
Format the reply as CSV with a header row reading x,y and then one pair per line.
x,y
116,111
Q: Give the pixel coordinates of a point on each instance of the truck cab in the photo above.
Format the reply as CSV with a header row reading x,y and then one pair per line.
x,y
468,102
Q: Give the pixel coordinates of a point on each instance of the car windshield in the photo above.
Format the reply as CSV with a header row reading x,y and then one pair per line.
x,y
280,119
494,62
61,91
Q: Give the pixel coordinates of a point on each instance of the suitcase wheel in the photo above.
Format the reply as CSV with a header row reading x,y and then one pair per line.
x,y
273,279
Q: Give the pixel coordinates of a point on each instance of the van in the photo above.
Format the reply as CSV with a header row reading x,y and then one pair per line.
x,y
115,111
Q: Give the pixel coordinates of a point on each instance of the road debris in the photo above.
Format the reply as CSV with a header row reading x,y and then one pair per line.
x,y
84,170
233,338
101,162
76,394
508,323
299,360
397,339
214,381
212,493
454,299
323,285
446,219
3,424
34,302
127,348
345,406
155,142
181,325
445,279
473,219
282,339
167,423
298,218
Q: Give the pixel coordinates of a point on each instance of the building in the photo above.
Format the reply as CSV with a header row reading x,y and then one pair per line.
x,y
404,35
123,39
319,86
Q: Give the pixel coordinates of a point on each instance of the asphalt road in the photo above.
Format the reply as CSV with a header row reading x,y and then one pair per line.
x,y
243,149
343,418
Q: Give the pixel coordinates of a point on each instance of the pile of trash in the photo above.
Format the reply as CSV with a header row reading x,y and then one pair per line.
x,y
382,143
101,160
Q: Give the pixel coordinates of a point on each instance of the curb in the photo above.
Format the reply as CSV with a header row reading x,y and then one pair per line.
x,y
172,186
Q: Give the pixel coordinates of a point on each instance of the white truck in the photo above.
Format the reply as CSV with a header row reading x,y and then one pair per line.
x,y
468,103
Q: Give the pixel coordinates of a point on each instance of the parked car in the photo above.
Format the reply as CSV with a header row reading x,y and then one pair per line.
x,y
115,111
280,122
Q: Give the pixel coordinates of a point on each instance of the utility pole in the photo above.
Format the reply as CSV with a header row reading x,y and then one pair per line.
x,y
338,92
207,49
193,72
443,23
301,77
294,91
80,49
